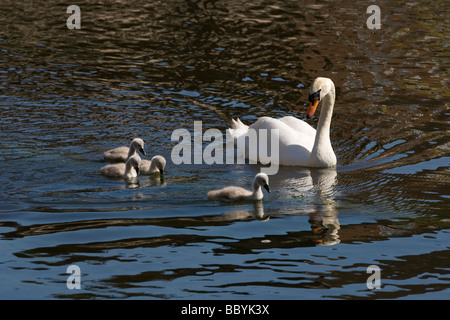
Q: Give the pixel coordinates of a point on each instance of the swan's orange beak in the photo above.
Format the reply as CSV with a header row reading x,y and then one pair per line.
x,y
312,108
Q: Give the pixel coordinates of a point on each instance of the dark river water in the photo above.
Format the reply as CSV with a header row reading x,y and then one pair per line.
x,y
147,68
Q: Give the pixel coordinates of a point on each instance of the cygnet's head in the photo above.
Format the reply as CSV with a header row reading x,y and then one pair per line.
x,y
135,162
138,144
319,89
159,162
262,179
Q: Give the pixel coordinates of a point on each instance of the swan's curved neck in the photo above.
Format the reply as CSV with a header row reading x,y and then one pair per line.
x,y
323,128
131,152
322,153
128,168
257,192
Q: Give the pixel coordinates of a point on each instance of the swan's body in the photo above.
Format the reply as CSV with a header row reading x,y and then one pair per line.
x,y
299,143
240,194
128,170
155,165
122,154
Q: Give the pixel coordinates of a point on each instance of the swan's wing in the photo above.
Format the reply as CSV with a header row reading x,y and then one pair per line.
x,y
229,194
237,128
144,168
118,150
296,139
283,124
117,154
291,131
300,126
113,170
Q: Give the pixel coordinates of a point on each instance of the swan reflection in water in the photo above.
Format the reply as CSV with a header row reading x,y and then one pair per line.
x,y
325,222
314,189
257,214
318,186
142,181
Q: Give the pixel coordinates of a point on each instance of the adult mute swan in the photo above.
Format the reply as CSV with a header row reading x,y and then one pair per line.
x,y
240,194
128,170
155,165
299,143
121,154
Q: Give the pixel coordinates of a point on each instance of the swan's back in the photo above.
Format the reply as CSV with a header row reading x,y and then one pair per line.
x,y
291,130
122,154
145,166
300,126
229,194
116,170
127,170
119,154
156,164
296,138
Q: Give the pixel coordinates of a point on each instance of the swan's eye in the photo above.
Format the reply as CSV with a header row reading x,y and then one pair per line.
x,y
315,95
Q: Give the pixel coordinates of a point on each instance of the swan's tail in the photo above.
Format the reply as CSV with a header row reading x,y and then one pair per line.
x,y
237,128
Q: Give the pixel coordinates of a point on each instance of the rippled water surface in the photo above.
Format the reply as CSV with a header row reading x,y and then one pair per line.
x,y
146,68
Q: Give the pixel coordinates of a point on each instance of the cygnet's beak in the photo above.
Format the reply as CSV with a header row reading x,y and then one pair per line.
x,y
312,108
266,186
161,171
137,169
142,151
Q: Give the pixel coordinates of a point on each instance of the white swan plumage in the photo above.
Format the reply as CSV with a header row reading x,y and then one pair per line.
x,y
234,193
299,143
